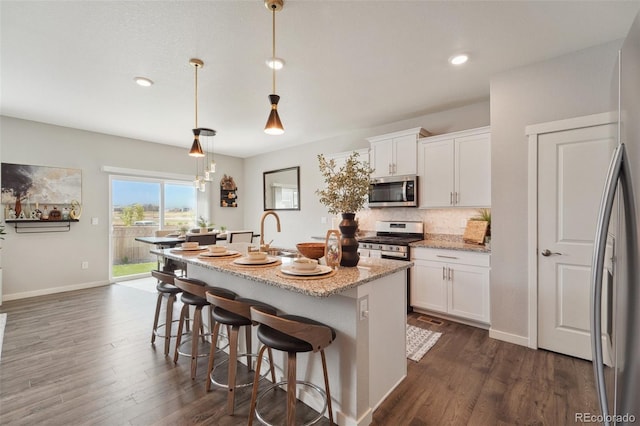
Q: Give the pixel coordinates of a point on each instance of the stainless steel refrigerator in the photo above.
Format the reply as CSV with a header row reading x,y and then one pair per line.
x,y
615,285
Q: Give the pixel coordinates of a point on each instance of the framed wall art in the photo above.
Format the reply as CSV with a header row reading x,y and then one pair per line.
x,y
32,187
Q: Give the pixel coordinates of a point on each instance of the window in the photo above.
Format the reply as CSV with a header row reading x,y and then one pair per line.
x,y
139,207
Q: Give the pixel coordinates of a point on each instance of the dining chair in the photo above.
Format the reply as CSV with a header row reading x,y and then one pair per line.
x,y
203,239
240,237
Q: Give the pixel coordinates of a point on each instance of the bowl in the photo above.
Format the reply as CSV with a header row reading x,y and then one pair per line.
x,y
190,244
305,264
256,255
314,250
217,249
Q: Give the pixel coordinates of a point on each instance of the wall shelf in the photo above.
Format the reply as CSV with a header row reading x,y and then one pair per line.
x,y
28,226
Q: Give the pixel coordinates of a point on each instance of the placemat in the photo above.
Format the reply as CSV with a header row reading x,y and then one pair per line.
x,y
307,277
226,256
267,265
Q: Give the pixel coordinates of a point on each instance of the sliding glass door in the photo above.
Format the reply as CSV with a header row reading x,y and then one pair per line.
x,y
141,208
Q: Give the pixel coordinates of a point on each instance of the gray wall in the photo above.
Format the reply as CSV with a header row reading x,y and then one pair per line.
x,y
47,262
569,86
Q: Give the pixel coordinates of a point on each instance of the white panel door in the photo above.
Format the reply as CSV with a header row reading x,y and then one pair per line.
x,y
473,171
436,182
572,166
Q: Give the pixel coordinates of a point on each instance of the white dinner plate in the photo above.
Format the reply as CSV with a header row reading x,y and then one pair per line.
x,y
190,248
223,254
247,261
320,270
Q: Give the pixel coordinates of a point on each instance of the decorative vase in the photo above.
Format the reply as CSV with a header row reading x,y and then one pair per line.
x,y
18,208
348,228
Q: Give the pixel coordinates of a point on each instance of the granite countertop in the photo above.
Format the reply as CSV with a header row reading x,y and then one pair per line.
x,y
368,269
449,242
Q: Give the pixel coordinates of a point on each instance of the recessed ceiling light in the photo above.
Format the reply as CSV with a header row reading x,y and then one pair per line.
x,y
275,63
458,59
143,81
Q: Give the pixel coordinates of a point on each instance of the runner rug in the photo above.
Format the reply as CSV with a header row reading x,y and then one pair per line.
x,y
419,341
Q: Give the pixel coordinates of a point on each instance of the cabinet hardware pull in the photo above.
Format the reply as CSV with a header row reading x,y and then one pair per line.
x,y
450,274
451,198
446,257
444,275
457,197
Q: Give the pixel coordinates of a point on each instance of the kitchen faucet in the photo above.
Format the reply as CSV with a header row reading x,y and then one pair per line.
x,y
264,216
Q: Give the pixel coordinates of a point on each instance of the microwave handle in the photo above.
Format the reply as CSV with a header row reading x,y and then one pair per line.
x,y
404,191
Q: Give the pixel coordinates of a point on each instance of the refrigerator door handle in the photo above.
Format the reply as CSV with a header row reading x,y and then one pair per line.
x,y
599,247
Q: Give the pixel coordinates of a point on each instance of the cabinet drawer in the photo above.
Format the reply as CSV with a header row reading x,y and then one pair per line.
x,y
451,256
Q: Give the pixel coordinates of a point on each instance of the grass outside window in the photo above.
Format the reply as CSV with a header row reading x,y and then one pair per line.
x,y
132,269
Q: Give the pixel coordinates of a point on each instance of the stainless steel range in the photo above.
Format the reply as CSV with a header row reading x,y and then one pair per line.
x,y
392,239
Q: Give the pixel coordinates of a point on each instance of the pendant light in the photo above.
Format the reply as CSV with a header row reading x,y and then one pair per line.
x,y
274,125
210,163
196,149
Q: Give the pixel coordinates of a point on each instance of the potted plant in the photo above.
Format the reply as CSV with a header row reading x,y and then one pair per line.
x,y
345,193
203,225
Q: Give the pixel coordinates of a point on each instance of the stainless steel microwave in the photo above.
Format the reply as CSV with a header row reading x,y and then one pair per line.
x,y
394,191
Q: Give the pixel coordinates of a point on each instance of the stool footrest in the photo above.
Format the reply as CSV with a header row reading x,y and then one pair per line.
x,y
240,385
298,382
201,355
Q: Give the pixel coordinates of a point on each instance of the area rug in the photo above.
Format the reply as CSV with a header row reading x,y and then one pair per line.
x,y
419,341
3,322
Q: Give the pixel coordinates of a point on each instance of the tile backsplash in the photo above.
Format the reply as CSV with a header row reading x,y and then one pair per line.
x,y
436,221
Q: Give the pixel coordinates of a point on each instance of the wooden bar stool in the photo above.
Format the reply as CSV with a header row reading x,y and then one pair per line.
x,y
194,294
291,334
234,314
166,288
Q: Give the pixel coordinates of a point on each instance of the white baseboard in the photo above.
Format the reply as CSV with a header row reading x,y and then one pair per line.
x,y
508,337
53,290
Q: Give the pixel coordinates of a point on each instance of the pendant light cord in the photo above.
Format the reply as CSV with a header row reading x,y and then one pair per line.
x,y
196,96
273,46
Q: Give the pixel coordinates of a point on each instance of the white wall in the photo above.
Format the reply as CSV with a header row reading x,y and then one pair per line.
x,y
49,262
569,86
299,226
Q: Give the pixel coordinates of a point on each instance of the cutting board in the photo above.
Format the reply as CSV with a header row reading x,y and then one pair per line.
x,y
475,231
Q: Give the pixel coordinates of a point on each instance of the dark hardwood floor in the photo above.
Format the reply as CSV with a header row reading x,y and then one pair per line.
x,y
85,357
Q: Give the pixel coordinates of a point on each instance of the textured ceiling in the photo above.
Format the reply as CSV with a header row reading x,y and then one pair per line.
x,y
349,64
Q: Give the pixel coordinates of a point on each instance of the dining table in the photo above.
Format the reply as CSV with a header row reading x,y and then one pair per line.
x,y
162,242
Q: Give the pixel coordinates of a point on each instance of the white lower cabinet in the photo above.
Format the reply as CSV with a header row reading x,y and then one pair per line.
x,y
451,282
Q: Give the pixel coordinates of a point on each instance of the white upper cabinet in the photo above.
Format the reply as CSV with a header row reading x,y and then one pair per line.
x,y
394,154
455,169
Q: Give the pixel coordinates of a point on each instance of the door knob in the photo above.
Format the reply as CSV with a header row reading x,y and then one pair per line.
x,y
547,252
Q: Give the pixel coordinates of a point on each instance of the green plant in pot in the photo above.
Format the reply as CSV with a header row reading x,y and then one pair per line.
x,y
203,225
345,192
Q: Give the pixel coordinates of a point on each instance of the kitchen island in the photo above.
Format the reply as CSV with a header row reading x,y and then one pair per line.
x,y
366,305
